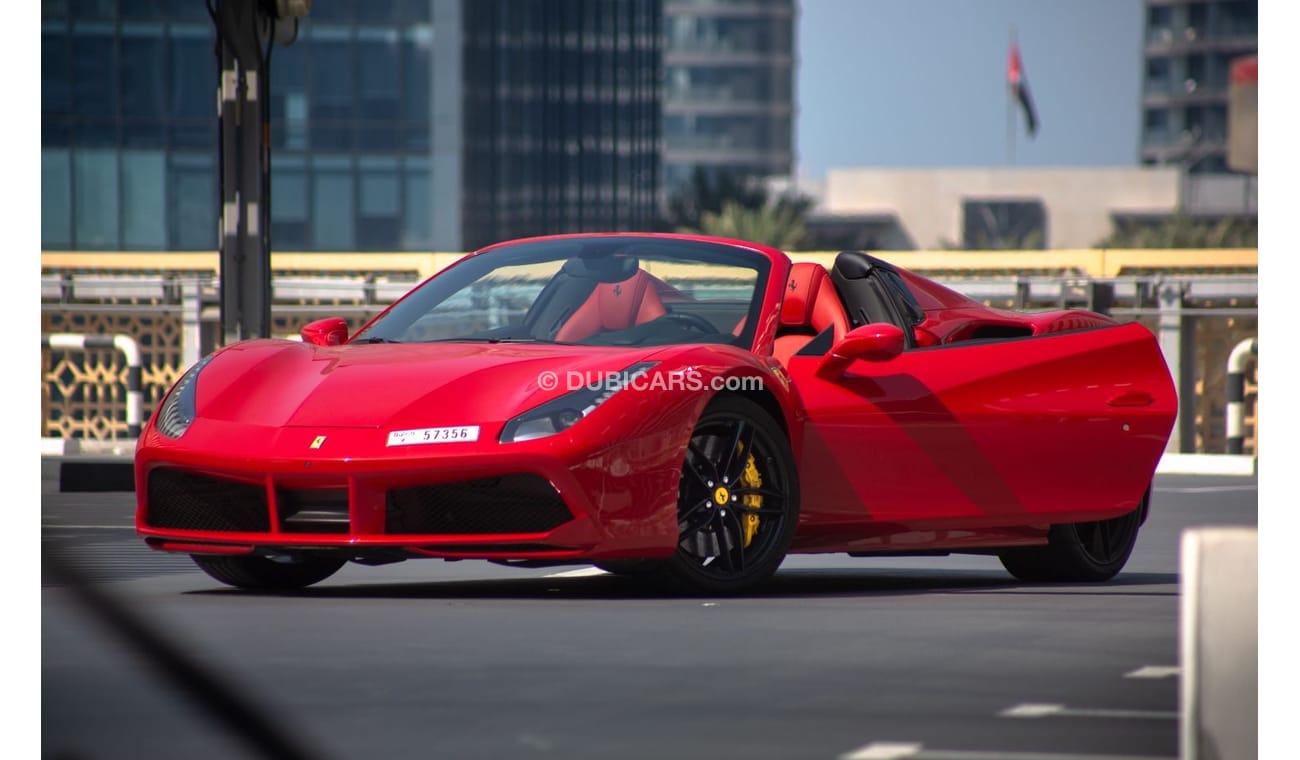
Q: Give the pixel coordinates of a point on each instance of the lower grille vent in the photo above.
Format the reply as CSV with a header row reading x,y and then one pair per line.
x,y
505,504
188,501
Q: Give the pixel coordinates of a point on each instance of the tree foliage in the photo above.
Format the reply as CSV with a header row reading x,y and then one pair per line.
x,y
729,205
1181,231
779,225
707,191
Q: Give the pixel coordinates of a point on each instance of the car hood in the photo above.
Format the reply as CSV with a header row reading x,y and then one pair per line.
x,y
288,384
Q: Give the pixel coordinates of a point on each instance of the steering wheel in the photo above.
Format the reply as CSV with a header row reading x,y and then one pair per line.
x,y
694,321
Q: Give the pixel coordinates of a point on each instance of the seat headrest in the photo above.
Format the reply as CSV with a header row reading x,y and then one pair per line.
x,y
801,291
614,306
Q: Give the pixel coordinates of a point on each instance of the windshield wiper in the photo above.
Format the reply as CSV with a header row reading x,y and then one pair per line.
x,y
377,340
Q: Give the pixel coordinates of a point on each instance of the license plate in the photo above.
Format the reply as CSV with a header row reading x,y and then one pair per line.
x,y
460,434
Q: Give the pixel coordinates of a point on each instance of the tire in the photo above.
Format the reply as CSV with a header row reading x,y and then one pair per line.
x,y
733,538
1088,552
265,574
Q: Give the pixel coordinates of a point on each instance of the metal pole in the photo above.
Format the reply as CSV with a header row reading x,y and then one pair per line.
x,y
191,322
232,254
1236,392
1177,335
134,370
242,31
1011,108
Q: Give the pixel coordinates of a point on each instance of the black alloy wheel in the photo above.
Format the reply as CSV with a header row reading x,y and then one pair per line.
x,y
738,500
1086,552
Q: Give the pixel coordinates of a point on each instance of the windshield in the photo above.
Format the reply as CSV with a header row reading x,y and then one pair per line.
x,y
598,291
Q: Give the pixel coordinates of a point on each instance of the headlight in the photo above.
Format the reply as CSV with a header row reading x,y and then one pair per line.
x,y
177,411
562,413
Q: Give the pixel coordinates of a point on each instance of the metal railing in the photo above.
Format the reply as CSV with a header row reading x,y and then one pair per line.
x,y
173,315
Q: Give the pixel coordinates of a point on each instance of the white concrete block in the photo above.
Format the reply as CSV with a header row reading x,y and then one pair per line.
x,y
1219,642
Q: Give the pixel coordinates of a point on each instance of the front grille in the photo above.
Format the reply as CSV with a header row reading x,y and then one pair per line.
x,y
505,504
188,501
315,511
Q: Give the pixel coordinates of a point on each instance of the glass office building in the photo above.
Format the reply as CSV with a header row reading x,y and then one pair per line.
x,y
128,126
729,87
515,119
561,115
1188,49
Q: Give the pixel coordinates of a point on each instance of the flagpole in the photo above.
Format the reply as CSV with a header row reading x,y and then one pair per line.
x,y
1011,110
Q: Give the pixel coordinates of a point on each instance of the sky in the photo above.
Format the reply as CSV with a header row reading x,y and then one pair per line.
x,y
924,82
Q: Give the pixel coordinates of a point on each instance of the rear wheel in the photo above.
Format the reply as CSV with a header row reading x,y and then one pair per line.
x,y
738,500
267,574
1079,552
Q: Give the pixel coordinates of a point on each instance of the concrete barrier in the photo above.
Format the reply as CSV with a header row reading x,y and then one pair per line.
x,y
1219,643
1207,464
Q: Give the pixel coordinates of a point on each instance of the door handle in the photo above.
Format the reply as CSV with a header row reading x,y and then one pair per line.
x,y
1132,398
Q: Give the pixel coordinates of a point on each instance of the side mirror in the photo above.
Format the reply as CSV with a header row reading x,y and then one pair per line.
x,y
876,342
332,331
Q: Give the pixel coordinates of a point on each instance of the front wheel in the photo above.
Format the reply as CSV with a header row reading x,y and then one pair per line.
x,y
267,574
738,500
1087,552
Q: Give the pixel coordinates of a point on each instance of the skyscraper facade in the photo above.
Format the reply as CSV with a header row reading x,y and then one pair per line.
x,y
728,87
395,124
128,126
561,116
1189,47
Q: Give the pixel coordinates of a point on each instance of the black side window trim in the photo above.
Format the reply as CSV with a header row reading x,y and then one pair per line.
x,y
819,345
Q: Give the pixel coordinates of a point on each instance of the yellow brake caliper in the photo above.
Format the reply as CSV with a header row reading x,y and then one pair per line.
x,y
751,479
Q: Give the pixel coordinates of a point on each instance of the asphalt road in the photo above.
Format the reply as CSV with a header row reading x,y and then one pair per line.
x,y
425,659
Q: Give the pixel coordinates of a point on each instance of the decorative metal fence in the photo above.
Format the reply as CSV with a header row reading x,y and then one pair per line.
x,y
172,314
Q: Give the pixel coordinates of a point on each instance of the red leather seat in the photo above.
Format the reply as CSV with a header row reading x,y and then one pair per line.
x,y
810,306
614,306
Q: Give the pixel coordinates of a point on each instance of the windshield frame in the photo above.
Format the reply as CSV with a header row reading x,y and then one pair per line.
x,y
453,280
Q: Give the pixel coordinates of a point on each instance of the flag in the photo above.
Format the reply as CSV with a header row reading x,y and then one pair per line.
x,y
1020,89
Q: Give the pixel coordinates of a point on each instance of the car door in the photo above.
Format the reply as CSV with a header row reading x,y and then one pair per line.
x,y
1060,427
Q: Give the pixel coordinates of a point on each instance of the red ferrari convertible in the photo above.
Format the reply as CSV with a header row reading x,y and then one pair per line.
x,y
684,407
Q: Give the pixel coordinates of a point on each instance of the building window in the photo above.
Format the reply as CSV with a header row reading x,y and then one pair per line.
x,y
1155,126
94,83
1004,224
193,74
1160,25
95,199
56,86
1237,19
333,95
380,205
332,210
144,85
56,199
417,88
289,198
1158,81
379,92
144,209
417,219
193,216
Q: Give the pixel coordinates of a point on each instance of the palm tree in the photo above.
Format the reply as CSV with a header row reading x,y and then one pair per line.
x,y
706,192
736,206
779,225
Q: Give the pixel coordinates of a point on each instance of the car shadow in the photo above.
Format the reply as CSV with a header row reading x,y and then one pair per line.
x,y
787,584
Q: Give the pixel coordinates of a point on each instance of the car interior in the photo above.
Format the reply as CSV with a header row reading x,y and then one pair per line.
x,y
810,307
621,304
